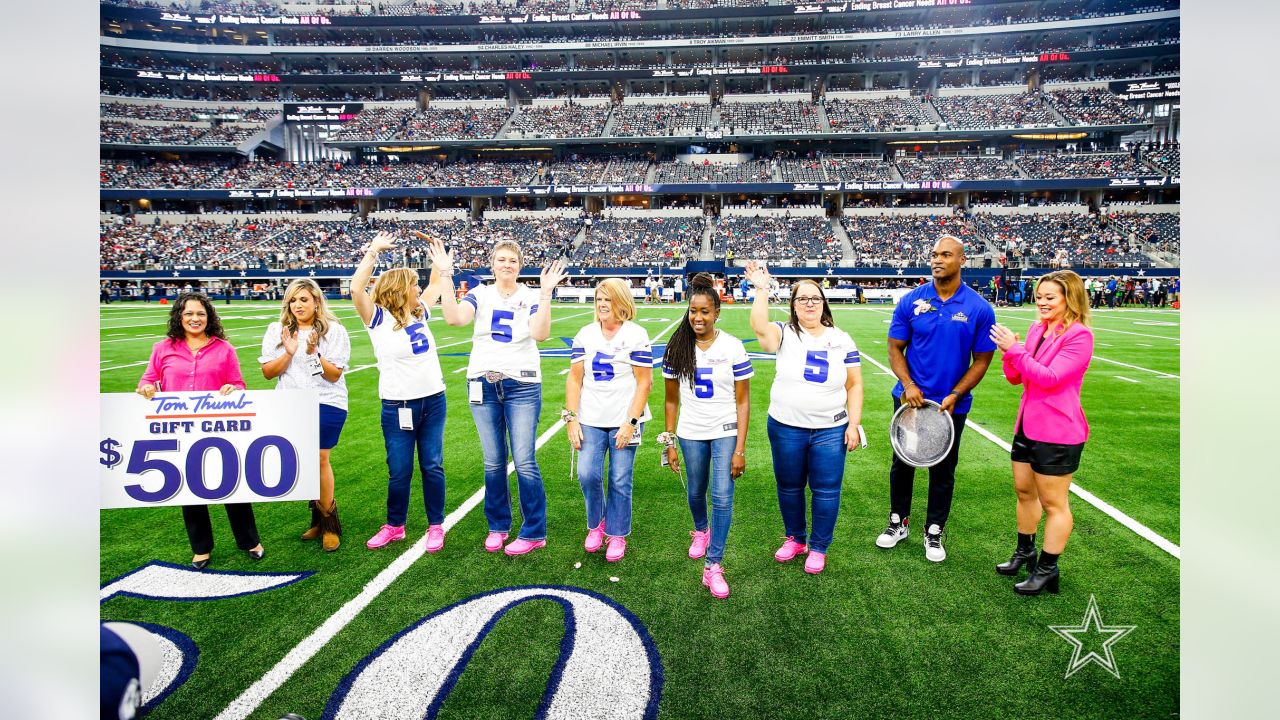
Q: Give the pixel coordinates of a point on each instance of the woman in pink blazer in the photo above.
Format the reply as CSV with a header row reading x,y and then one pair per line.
x,y
1051,429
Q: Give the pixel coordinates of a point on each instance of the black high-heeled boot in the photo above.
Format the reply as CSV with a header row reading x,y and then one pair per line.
x,y
1043,577
1021,556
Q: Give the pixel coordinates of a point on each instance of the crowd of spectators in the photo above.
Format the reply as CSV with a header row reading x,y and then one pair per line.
x,y
1155,232
130,111
902,240
464,123
126,133
1095,106
570,172
323,174
641,120
570,120
808,170
753,171
622,242
763,118
773,238
956,168
882,115
970,112
1081,165
857,170
1167,158
1061,240
626,171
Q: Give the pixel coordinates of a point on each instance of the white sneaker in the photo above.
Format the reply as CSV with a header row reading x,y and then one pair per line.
x,y
895,533
933,549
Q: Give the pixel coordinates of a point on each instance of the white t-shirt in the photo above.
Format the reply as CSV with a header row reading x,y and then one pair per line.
x,y
501,340
808,384
608,382
335,347
408,366
708,409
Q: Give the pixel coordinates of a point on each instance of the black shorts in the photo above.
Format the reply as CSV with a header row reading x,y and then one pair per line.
x,y
1046,458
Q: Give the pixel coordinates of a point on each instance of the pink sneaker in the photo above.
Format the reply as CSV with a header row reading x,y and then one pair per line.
x,y
493,542
815,562
435,538
595,538
522,546
698,547
617,546
789,550
386,534
713,577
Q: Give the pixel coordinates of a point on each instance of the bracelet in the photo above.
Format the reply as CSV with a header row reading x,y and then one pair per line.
x,y
740,454
667,439
567,415
909,384
957,393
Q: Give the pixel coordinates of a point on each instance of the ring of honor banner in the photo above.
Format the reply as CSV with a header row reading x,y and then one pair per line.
x,y
202,448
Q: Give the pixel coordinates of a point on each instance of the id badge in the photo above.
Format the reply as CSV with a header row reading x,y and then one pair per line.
x,y
313,364
475,392
635,440
862,436
406,418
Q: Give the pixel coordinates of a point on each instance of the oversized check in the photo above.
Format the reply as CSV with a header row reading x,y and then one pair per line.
x,y
200,448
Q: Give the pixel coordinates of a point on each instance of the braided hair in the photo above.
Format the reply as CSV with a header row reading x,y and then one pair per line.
x,y
680,358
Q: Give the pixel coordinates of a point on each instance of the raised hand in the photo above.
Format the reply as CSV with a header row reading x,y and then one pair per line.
x,y
313,342
441,259
289,338
381,242
758,274
552,275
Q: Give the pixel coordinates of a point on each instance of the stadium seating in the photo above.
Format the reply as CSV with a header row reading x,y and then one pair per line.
x,y
956,168
774,238
1094,107
769,118
623,242
464,123
560,121
642,120
883,115
1081,165
971,112
901,240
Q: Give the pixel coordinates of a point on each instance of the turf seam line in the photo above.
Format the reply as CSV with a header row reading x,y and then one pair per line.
x,y
1110,510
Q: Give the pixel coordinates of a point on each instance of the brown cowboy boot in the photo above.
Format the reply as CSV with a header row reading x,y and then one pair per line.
x,y
330,528
314,531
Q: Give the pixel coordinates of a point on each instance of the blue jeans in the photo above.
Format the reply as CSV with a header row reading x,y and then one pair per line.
x,y
708,460
616,509
427,436
510,409
814,457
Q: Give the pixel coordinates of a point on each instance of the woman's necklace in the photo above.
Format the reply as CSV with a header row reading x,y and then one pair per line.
x,y
704,344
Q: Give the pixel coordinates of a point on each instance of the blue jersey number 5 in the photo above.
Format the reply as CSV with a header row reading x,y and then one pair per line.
x,y
602,367
498,328
702,387
418,340
816,366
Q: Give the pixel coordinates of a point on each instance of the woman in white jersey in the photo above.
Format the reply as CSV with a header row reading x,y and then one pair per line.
x,y
707,375
411,387
815,411
309,349
504,383
606,405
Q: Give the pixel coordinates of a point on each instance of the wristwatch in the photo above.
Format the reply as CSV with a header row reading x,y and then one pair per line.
x,y
634,422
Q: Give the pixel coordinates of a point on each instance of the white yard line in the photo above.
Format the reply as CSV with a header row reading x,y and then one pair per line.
x,y
1121,377
252,697
1137,367
1103,329
1109,510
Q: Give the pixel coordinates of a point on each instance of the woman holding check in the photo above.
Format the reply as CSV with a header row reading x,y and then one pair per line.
x,y
1050,430
815,411
194,356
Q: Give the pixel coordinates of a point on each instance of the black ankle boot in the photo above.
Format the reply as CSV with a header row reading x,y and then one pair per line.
x,y
1043,577
1021,556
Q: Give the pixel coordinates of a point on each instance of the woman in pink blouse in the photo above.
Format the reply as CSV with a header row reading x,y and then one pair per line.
x,y
195,355
1050,429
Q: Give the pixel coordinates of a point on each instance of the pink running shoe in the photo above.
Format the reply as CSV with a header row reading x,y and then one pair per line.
x,y
522,546
435,538
789,550
713,577
386,534
815,562
698,547
617,546
595,538
493,542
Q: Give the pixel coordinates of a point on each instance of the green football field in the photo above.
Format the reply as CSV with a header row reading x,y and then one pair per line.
x,y
878,634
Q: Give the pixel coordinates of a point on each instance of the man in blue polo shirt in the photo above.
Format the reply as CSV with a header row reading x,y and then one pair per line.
x,y
939,348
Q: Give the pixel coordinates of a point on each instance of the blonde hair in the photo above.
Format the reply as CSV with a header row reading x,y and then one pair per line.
x,y
391,291
323,317
511,245
1073,292
619,294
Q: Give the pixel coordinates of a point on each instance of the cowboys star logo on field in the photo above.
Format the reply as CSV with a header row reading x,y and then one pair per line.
x,y
1088,628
